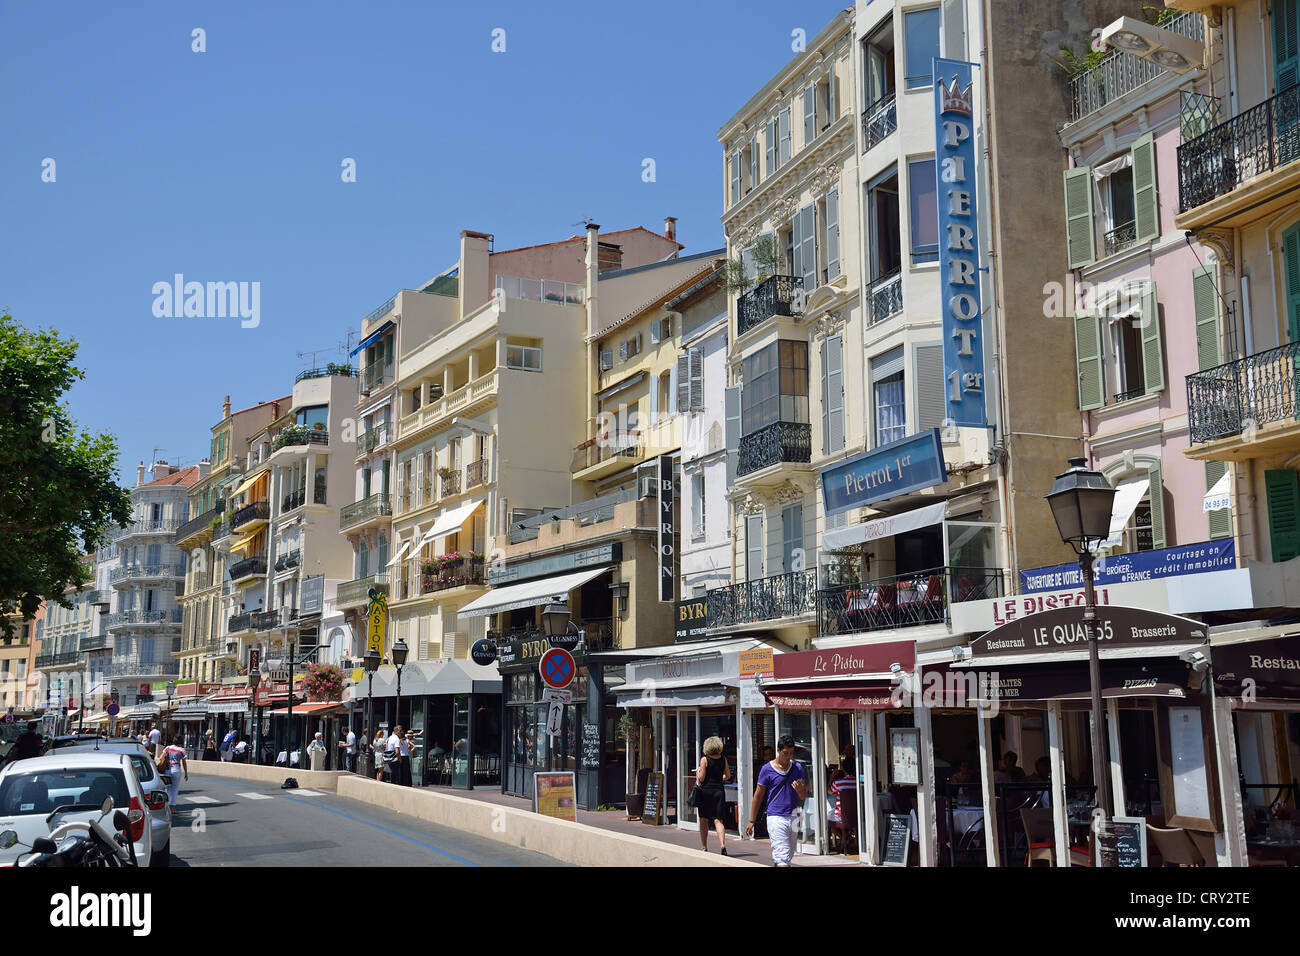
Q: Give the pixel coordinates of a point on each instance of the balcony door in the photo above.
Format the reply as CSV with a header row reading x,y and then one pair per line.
x,y
753,547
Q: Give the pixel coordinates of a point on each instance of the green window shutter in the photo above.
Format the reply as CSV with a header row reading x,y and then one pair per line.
x,y
1153,360
1156,494
1220,520
1205,299
1291,263
1146,211
1286,43
1078,216
1087,356
1283,494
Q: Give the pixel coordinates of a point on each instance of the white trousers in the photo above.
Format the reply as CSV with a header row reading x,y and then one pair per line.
x,y
782,833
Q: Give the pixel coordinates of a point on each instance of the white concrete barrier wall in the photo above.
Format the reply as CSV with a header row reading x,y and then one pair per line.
x,y
311,779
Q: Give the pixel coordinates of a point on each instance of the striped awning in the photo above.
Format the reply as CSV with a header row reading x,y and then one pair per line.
x,y
244,542
249,482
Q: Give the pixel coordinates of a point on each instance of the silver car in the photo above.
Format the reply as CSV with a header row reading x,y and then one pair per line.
x,y
152,782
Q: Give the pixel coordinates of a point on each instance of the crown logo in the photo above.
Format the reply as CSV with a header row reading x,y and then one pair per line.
x,y
955,99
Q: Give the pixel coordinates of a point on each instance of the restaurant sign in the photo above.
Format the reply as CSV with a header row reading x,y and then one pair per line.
x,y
1258,669
845,661
666,541
1063,630
692,621
1141,566
976,617
1166,677
897,468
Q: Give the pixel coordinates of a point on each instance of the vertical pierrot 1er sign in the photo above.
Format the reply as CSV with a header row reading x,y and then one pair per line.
x,y
959,247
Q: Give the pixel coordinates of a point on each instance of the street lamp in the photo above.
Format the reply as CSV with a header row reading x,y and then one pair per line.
x,y
400,650
372,660
1081,502
171,689
255,678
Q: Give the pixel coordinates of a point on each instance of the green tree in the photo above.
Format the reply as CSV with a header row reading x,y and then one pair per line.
x,y
766,257
58,493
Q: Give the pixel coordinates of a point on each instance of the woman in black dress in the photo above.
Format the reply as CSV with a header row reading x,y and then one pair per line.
x,y
210,750
711,801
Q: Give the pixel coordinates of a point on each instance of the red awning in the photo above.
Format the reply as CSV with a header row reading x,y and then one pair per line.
x,y
317,707
865,696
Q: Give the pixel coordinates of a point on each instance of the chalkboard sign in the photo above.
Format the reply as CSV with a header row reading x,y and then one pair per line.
x,y
591,746
898,839
1131,833
655,810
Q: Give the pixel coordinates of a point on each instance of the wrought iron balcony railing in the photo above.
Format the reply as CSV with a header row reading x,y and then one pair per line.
x,y
440,575
450,483
373,376
95,642
135,667
239,623
137,572
164,526
1120,72
905,600
333,368
249,567
371,440
1237,397
879,120
885,297
257,511
136,617
358,512
775,295
266,620
358,591
300,435
295,500
57,660
476,473
1121,237
765,599
288,560
1253,142
195,525
777,443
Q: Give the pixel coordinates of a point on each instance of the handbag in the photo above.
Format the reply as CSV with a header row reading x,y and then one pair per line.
x,y
161,763
693,798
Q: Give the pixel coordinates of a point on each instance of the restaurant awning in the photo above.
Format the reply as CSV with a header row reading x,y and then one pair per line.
x,y
1127,496
141,711
884,527
1119,678
195,710
1219,497
397,555
228,707
249,483
450,522
867,695
686,692
527,594
316,709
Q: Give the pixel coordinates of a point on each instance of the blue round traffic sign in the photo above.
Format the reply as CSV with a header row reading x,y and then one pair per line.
x,y
112,710
557,668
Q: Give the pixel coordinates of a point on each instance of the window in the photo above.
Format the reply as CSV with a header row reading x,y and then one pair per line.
x,y
783,137
753,547
664,397
690,380
1119,197
833,394
735,177
749,166
792,557
922,37
889,396
1119,352
416,394
363,558
878,61
1126,354
313,415
924,221
775,386
883,224
804,249
524,358
697,506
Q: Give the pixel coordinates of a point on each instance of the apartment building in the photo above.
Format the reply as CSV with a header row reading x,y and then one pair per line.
x,y
16,659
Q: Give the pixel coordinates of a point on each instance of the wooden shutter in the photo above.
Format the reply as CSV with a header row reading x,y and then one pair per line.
x,y
791,535
696,356
654,400
1220,519
735,177
796,244
769,167
1205,306
830,96
1283,494
1291,262
753,547
731,403
809,114
1156,495
783,135
1286,44
1088,358
683,384
832,394
1146,212
673,379
931,400
753,164
832,233
1153,360
808,242
1078,216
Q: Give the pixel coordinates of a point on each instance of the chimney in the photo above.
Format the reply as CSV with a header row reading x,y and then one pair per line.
x,y
593,271
139,474
275,410
475,248
670,227
205,467
225,409
162,469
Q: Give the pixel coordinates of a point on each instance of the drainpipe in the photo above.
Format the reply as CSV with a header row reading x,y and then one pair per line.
x,y
593,324
1230,34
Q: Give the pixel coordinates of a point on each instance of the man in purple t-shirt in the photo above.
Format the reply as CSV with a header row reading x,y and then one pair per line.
x,y
781,790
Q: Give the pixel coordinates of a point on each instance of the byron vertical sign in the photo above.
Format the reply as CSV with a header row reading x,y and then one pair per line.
x,y
667,530
959,247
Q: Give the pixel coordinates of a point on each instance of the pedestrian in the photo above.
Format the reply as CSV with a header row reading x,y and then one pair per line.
x,y
210,751
381,755
155,741
176,765
349,745
28,744
317,746
398,753
241,750
711,795
363,750
228,745
781,790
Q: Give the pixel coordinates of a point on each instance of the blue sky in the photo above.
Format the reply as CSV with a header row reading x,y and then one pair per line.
x,y
225,166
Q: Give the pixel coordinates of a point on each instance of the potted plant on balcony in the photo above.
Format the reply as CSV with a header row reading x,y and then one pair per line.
x,y
324,682
765,257
444,472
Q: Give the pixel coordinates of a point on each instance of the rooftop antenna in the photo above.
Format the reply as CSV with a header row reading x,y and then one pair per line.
x,y
340,347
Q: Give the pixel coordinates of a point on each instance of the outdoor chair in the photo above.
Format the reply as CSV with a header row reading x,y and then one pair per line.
x,y
1040,832
846,828
1204,843
1175,846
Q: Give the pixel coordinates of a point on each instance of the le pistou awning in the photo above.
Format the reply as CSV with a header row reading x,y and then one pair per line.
x,y
858,695
528,594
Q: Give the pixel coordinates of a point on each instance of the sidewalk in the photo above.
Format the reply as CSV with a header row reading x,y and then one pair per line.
x,y
753,851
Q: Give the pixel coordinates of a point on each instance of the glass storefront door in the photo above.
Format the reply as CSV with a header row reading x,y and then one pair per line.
x,y
800,725
460,738
688,761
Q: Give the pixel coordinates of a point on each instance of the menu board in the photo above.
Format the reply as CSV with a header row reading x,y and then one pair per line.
x,y
1187,753
655,810
555,795
904,755
590,746
1131,841
898,839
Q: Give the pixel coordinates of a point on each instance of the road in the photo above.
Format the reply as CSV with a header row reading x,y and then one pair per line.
x,y
223,822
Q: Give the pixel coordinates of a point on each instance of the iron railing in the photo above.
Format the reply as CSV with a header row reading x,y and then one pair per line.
x,y
1129,395
249,567
95,642
371,440
775,295
1253,142
376,375
57,660
344,371
195,525
135,667
777,443
376,506
1121,237
440,575
879,120
266,620
165,526
602,448
257,511
300,435
290,559
123,618
358,591
885,297
476,473
588,512
1237,397
766,599
137,571
1121,72
450,483
239,623
905,600
295,500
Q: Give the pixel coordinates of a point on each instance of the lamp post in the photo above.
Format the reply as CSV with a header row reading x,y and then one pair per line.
x,y
167,725
557,623
1081,502
255,678
372,660
400,650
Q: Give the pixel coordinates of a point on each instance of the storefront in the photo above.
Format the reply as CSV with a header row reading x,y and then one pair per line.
x,y
229,708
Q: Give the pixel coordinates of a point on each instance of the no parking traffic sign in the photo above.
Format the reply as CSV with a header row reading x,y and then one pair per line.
x,y
557,668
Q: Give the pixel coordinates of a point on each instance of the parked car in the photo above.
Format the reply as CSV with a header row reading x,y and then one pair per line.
x,y
75,784
152,782
70,740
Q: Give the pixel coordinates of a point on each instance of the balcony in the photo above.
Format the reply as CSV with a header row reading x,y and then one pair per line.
x,y
775,295
879,120
164,526
221,532
333,368
135,667
587,513
1241,170
96,642
1120,72
778,443
1247,408
364,511
1121,237
57,660
371,440
138,617
240,623
248,568
299,435
353,593
906,600
476,473
144,572
289,560
789,595
199,529
259,512
295,500
461,571
100,597
606,454
449,482
469,399
885,297
375,376
541,290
